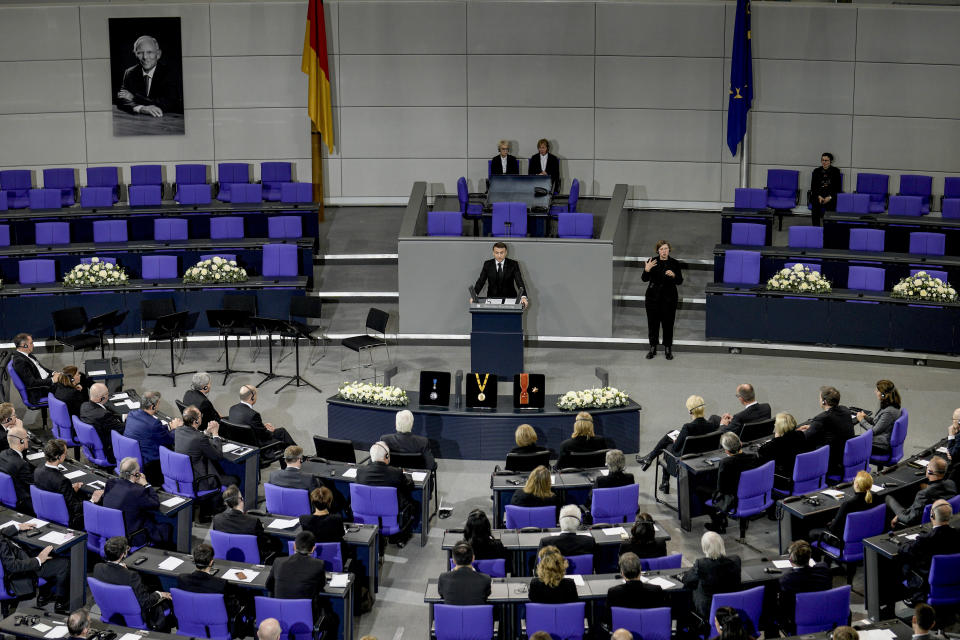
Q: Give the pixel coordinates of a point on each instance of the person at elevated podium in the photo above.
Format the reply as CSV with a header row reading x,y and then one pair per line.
x,y
544,163
504,164
501,275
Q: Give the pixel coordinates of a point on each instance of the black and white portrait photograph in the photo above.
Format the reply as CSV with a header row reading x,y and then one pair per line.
x,y
146,76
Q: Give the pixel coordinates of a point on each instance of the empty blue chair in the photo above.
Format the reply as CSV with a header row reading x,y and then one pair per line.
x,y
470,207
101,524
944,580
749,601
950,201
295,616
52,233
954,504
570,206
809,472
575,225
867,239
897,437
562,621
235,547
580,565
118,604
494,567
16,184
927,244
463,623
519,517
876,186
3,201
146,185
754,495
201,615
375,505
782,188
853,203
748,234
96,197
108,177
672,561
65,181
906,206
273,175
648,624
865,278
287,501
860,525
178,476
295,192
330,552
244,193
193,194
280,261
805,237
510,219
110,231
741,267
226,228
62,422
37,271
856,457
8,492
45,198
822,610
615,505
49,505
4,235
280,227
90,443
921,186
746,198
190,174
229,174
444,223
159,267
124,447
169,229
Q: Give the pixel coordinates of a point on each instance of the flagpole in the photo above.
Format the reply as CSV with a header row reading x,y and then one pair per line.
x,y
317,179
744,174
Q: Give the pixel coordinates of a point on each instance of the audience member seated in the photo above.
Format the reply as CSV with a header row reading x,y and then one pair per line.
x,y
301,577
537,492
22,570
545,163
715,573
917,554
139,503
202,580
78,625
197,395
233,520
802,578
582,441
8,420
270,629
379,473
634,593
834,426
463,586
783,449
113,571
550,586
937,487
698,426
567,541
95,413
861,501
477,533
292,476
50,478
616,477
244,413
205,450
69,390
14,465
405,442
734,462
882,421
643,541
145,427
37,379
924,619
504,164
729,625
526,439
752,411
845,633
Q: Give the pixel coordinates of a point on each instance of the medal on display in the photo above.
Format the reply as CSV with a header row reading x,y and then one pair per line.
x,y
524,383
481,396
433,394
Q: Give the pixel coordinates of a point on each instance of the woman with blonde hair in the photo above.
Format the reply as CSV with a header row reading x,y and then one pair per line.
x,y
504,164
583,440
550,586
861,501
698,426
787,442
526,439
537,491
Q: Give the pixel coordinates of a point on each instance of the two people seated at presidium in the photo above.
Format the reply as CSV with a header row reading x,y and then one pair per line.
x,y
542,163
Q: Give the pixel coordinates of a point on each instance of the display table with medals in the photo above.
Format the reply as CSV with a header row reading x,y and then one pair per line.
x,y
496,337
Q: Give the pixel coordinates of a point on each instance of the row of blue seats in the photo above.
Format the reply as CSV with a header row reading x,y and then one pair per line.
x,y
922,243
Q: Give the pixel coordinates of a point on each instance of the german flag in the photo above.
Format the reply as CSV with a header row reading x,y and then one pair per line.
x,y
315,65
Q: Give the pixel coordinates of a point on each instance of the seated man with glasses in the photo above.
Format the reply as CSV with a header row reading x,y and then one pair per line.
x,y
937,487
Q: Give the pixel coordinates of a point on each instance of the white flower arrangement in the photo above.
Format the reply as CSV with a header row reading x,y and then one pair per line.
x,y
215,270
923,286
96,273
598,398
798,279
366,393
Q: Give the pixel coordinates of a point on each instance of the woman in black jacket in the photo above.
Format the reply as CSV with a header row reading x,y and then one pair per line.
x,y
663,273
526,439
715,573
550,586
787,442
69,390
477,533
824,187
643,539
583,440
861,501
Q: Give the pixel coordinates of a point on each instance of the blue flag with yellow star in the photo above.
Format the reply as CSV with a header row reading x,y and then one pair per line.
x,y
741,78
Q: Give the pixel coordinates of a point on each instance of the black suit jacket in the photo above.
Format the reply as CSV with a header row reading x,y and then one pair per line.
x,y
113,573
580,444
138,504
553,169
652,549
699,427
783,451
202,582
294,478
612,480
662,290
464,587
800,580
832,184
52,480
507,286
708,576
496,166
73,398
919,552
833,427
753,413
202,402
935,490
19,568
15,466
410,443
242,414
570,544
203,450
379,474
164,90
296,577
233,521
101,419
563,593
328,528
634,594
37,387
728,478
851,505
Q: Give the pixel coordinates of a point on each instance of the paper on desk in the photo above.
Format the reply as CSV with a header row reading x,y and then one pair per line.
x,y
133,405
338,580
615,531
232,575
578,579
37,522
911,536
97,484
228,447
282,523
42,628
781,564
58,631
876,488
98,372
172,502
118,396
74,474
553,478
921,462
418,476
833,493
131,636
673,434
876,634
663,583
350,473
605,472
55,537
170,563
943,450
35,456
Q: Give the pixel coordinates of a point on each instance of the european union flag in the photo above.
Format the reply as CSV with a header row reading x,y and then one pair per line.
x,y
741,78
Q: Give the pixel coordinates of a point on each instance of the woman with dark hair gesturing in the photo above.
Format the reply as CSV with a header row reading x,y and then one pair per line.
x,y
663,274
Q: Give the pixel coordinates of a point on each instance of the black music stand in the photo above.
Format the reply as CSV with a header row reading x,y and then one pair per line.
x,y
225,319
105,322
170,327
295,332
271,326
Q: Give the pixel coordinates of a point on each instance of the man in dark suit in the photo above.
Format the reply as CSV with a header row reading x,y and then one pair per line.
x,y
379,473
50,478
937,487
293,476
503,164
634,593
752,411
403,441
150,433
114,571
801,578
139,503
917,554
300,576
244,413
924,619
37,379
149,88
234,520
205,450
13,464
203,581
95,413
78,625
568,541
545,163
463,586
198,396
734,462
501,275
834,426
21,570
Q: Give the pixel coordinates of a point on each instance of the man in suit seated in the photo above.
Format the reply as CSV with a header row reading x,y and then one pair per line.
x,y
300,576
234,520
244,413
95,413
202,580
8,420
734,462
139,503
937,487
13,464
21,570
293,475
545,163
114,571
463,586
205,450
802,578
379,473
143,426
198,396
501,275
37,379
616,476
50,478
634,593
752,411
917,554
504,164
403,441
834,426
568,541
78,625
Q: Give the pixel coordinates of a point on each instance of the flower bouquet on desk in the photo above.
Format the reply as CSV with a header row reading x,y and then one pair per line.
x,y
366,393
925,288
798,279
96,273
216,270
599,398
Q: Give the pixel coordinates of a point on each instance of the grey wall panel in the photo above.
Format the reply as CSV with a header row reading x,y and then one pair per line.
x,y
530,27
261,133
908,34
412,80
260,29
914,90
403,27
39,33
42,86
689,181
530,81
98,94
660,29
570,131
659,83
258,81
43,138
799,32
194,25
917,144
388,177
569,282
651,134
803,86
796,138
104,148
404,132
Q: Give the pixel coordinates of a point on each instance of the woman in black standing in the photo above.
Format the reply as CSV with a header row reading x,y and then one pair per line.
x,y
663,274
824,187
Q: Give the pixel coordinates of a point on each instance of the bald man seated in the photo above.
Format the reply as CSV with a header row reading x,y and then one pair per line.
x,y
104,420
244,413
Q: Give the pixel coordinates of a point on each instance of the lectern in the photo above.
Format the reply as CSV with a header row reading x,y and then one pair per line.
x,y
496,339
